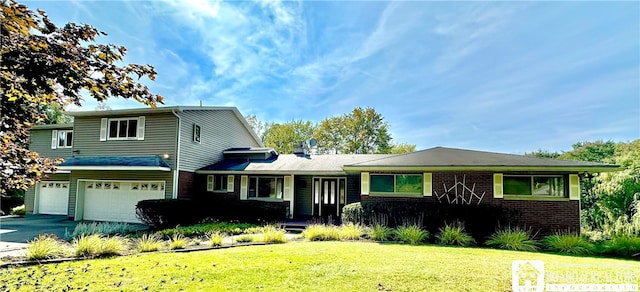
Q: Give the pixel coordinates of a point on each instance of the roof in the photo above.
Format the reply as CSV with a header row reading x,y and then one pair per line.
x,y
52,126
291,163
115,163
146,110
461,159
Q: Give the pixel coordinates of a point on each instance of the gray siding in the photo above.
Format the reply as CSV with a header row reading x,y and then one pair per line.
x,y
159,138
30,194
166,176
303,197
220,130
41,143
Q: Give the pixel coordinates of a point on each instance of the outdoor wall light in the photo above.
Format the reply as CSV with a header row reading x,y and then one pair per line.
x,y
165,155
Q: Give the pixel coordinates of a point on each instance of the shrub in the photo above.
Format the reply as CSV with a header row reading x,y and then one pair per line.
x,y
102,228
412,234
221,208
568,243
624,246
353,213
178,242
513,239
271,234
454,234
380,232
97,245
351,231
19,210
149,242
167,212
244,238
87,245
11,199
114,245
320,232
206,228
215,239
45,247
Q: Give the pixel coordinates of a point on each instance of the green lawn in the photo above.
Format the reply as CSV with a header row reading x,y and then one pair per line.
x,y
303,266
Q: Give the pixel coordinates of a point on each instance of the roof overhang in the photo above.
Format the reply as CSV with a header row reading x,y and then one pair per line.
x,y
271,172
112,167
493,168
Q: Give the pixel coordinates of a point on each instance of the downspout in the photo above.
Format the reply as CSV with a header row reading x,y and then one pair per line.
x,y
176,171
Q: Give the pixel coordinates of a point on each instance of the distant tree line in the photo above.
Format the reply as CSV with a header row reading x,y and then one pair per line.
x,y
361,131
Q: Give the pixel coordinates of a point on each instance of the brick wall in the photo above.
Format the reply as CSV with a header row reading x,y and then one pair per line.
x,y
186,183
544,217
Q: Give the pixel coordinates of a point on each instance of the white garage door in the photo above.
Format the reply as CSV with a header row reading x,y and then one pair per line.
x,y
53,197
116,200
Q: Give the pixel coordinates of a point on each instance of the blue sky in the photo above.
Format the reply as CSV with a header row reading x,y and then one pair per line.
x,y
510,77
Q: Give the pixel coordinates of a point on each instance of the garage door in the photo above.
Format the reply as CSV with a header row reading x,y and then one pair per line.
x,y
53,197
116,200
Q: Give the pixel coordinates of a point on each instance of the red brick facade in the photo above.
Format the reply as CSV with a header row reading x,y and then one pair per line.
x,y
543,217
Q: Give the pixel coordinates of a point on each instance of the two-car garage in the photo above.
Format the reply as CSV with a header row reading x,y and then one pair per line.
x,y
116,200
98,200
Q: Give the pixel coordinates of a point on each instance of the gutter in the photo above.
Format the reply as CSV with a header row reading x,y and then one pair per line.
x,y
176,172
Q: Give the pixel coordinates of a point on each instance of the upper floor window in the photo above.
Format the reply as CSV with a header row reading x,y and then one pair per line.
x,y
534,185
122,128
196,133
61,139
396,183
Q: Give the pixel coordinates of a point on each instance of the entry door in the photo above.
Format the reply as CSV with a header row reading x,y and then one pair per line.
x,y
329,197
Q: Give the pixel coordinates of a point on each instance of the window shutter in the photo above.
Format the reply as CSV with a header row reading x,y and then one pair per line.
x,y
288,188
141,128
209,183
54,139
230,183
103,129
574,187
364,183
243,187
497,186
427,189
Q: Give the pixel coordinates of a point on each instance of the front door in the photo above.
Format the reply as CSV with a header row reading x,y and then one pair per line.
x,y
329,198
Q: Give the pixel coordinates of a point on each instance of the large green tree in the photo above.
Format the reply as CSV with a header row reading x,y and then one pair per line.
x,y
361,131
282,137
41,65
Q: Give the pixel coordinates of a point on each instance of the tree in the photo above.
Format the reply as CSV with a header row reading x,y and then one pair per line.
x,y
597,151
283,137
401,148
55,115
41,65
362,131
257,125
543,154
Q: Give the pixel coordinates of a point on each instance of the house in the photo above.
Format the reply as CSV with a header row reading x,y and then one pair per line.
x,y
115,158
546,192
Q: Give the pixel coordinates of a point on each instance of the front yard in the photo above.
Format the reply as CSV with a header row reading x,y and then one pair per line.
x,y
305,266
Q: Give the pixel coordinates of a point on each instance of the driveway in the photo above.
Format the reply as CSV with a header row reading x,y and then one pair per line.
x,y
22,230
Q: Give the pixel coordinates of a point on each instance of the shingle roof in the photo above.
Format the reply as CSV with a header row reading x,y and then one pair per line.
x,y
115,161
451,157
290,163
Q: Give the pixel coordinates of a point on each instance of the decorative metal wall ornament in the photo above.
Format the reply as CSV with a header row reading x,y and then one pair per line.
x,y
459,193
